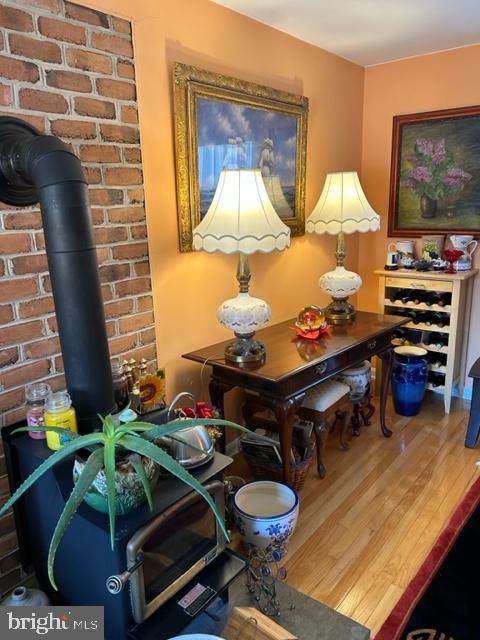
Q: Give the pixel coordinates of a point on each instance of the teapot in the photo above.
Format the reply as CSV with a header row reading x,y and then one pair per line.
x,y
462,243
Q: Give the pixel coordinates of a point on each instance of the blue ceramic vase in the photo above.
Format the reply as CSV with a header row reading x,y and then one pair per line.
x,y
409,379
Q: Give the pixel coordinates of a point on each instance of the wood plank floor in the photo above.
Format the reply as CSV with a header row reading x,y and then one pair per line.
x,y
365,529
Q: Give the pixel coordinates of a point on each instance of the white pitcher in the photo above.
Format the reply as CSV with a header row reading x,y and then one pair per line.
x,y
468,245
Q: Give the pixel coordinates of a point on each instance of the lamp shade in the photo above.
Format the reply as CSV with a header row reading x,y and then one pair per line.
x,y
342,207
241,217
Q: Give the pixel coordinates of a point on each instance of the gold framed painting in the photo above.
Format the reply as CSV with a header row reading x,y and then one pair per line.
x,y
222,122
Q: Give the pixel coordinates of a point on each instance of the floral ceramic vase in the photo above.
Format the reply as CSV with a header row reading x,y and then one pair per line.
x,y
266,514
358,379
409,379
129,493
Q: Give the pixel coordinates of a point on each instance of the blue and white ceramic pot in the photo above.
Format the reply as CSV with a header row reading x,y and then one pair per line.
x,y
266,514
358,379
409,379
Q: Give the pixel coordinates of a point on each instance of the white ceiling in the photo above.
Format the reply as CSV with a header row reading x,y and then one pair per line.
x,y
371,31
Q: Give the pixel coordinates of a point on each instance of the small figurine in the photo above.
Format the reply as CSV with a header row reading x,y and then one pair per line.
x,y
311,323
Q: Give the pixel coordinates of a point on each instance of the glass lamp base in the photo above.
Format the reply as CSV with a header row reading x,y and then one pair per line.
x,y
340,311
245,349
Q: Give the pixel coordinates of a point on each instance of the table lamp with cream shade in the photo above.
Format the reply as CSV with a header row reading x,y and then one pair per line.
x,y
241,219
342,208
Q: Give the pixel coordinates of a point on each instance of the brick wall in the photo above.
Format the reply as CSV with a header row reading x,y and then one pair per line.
x,y
69,71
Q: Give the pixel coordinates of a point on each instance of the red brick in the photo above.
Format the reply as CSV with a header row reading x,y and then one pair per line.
x,y
112,44
62,30
34,48
121,25
142,268
132,154
8,544
130,251
95,108
99,153
118,308
36,263
40,241
26,373
11,243
125,215
15,19
46,284
52,5
37,307
123,175
5,94
2,268
9,562
145,303
23,220
106,292
57,382
148,352
6,313
147,336
118,345
136,196
82,14
135,322
42,348
58,364
89,61
10,580
7,524
18,69
2,41
110,235
103,254
106,197
74,129
116,89
97,215
119,133
113,272
129,114
132,287
69,80
8,356
93,175
11,399
42,101
125,69
139,231
21,332
17,288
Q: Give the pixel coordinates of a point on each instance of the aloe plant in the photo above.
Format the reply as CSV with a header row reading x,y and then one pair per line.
x,y
135,438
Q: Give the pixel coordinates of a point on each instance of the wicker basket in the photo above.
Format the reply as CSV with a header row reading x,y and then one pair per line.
x,y
262,470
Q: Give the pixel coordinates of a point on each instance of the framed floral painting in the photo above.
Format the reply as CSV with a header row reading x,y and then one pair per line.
x,y
435,173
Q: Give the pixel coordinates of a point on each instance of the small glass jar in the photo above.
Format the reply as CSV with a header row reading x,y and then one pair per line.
x,y
120,385
59,413
35,395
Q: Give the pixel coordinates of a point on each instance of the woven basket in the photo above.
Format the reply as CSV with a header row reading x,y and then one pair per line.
x,y
268,471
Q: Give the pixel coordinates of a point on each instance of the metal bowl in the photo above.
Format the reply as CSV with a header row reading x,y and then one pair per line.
x,y
186,455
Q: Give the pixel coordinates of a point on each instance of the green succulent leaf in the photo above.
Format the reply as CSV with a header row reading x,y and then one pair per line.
x,y
145,448
67,450
136,460
151,432
109,463
60,430
90,470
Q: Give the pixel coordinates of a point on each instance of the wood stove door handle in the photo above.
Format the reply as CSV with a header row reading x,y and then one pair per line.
x,y
116,583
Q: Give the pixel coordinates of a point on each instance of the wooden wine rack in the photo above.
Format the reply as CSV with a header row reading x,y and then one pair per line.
x,y
460,286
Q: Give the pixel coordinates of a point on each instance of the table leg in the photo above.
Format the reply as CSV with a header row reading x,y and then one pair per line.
x,y
387,360
217,392
285,416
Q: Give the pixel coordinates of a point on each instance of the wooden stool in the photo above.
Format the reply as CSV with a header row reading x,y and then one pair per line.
x,y
329,399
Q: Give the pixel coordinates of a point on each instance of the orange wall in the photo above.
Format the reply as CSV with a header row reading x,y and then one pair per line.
x,y
424,83
187,288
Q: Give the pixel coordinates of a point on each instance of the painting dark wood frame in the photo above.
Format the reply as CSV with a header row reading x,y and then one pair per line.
x,y
398,123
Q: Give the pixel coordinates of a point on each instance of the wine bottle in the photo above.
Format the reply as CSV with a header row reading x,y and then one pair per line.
x,y
438,319
445,300
396,295
436,379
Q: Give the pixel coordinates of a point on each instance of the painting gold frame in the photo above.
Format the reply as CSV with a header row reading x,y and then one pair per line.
x,y
191,83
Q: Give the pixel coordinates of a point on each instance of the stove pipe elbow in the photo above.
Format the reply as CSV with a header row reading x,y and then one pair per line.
x,y
41,168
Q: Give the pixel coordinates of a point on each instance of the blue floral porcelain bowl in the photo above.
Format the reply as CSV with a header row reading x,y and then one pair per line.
x,y
266,514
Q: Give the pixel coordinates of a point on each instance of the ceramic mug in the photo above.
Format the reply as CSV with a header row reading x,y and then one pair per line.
x,y
462,243
392,258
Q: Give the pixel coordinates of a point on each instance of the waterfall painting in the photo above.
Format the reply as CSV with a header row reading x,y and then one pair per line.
x,y
225,123
435,173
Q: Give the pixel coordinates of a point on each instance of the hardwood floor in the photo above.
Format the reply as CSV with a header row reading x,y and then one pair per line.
x,y
365,529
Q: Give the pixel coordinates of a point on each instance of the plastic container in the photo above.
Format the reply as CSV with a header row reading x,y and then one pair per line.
x,y
21,597
59,413
409,379
36,394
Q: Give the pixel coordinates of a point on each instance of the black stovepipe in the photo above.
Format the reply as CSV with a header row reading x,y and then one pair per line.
x,y
41,168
